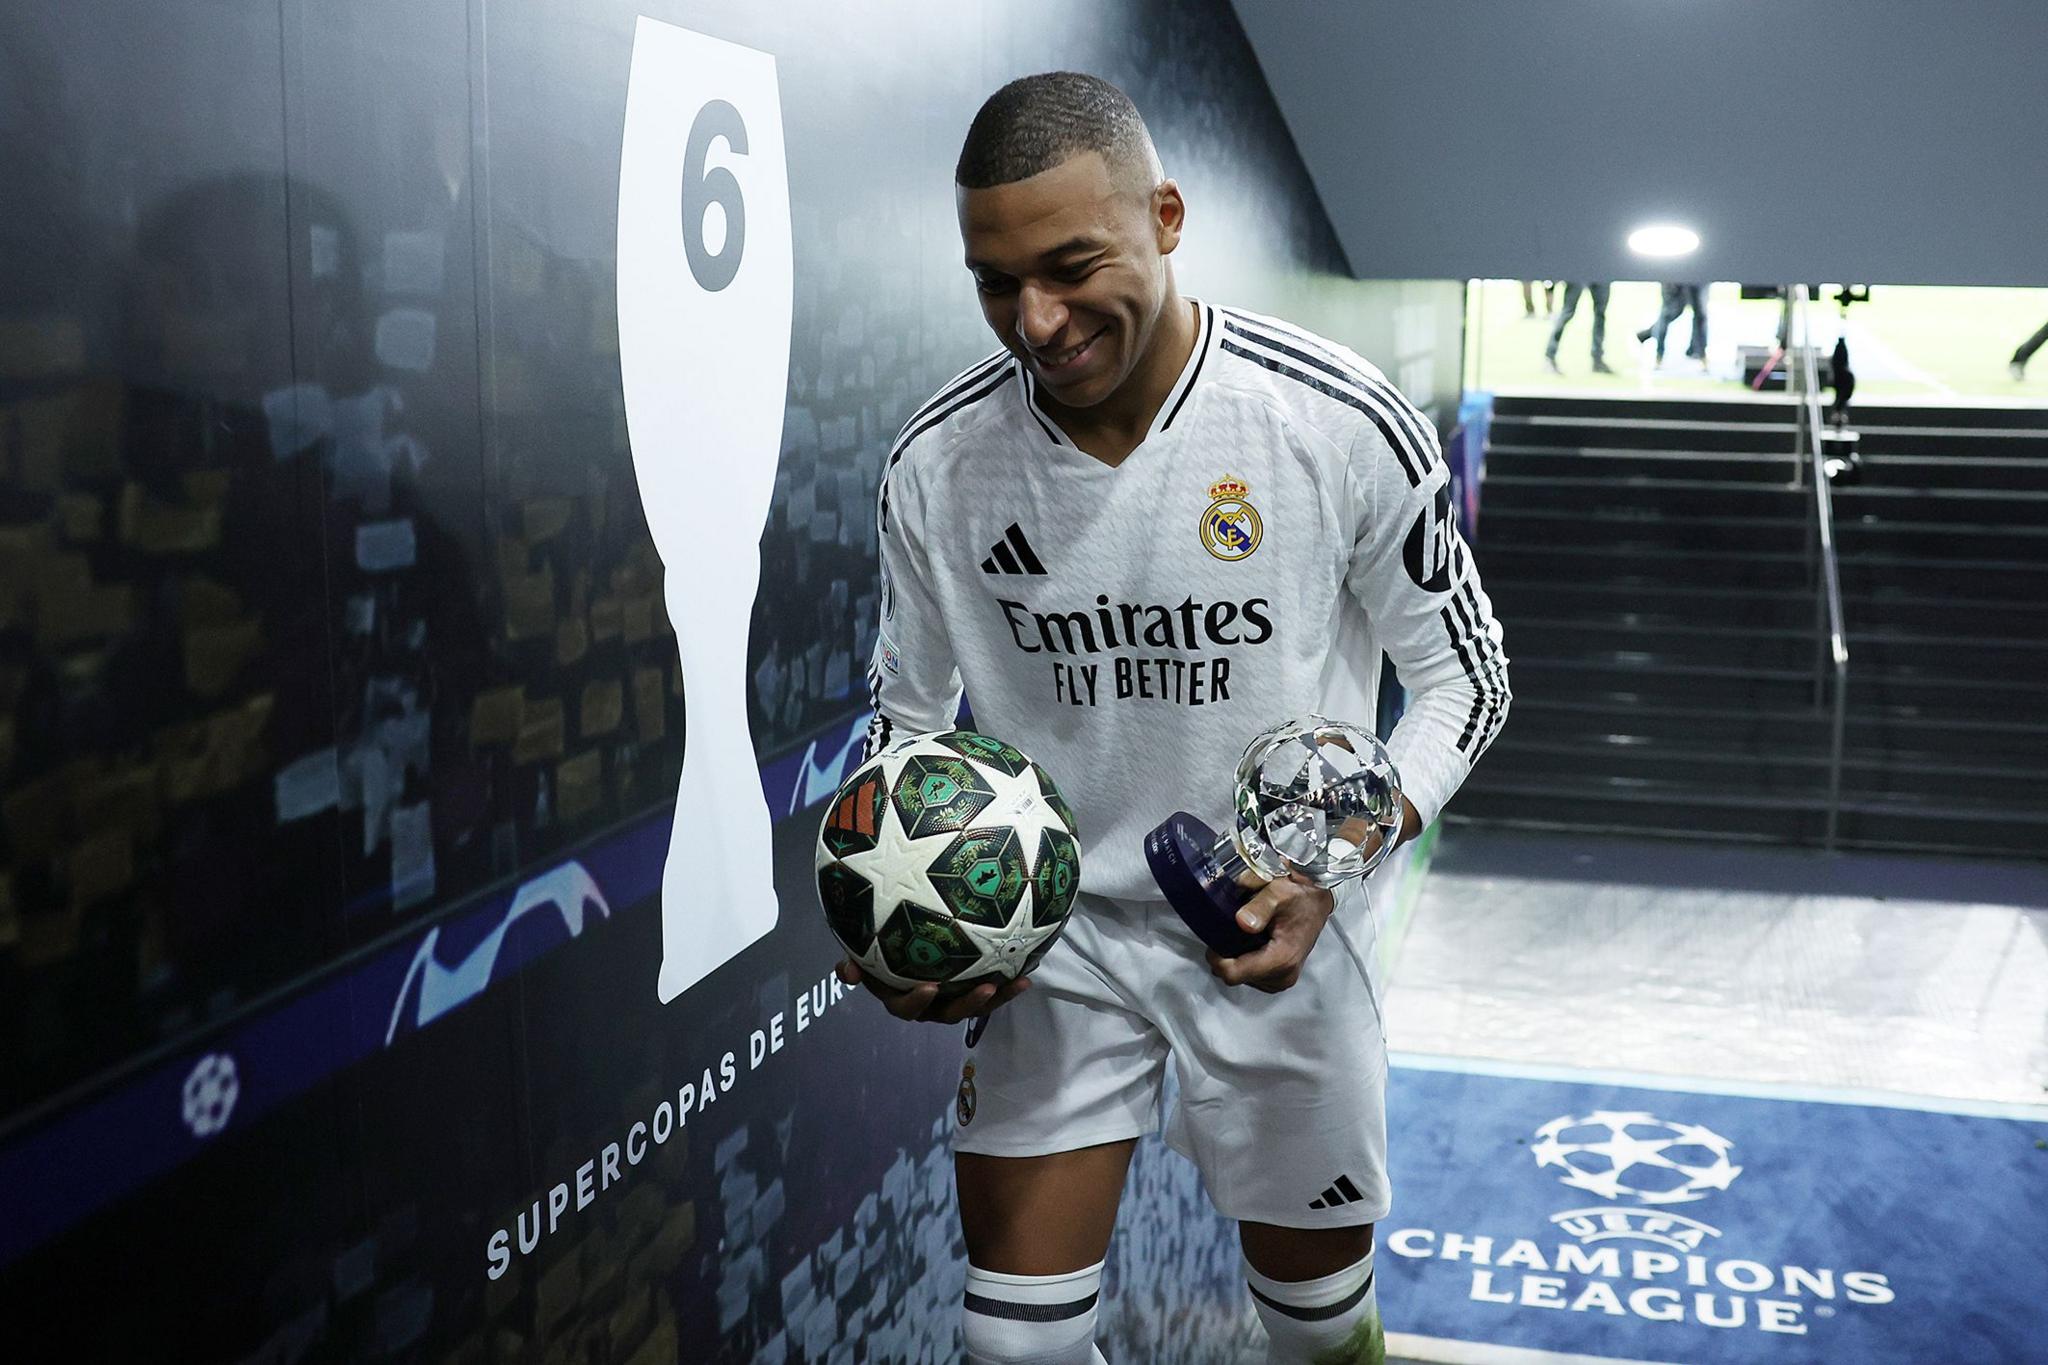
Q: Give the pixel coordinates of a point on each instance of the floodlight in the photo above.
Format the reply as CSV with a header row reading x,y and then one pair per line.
x,y
1663,240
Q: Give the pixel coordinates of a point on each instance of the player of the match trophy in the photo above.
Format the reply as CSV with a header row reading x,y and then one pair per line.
x,y
1314,796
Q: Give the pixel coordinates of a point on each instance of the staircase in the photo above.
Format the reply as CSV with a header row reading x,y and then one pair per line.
x,y
1650,563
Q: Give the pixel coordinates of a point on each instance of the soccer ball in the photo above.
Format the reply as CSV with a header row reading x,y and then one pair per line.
x,y
948,857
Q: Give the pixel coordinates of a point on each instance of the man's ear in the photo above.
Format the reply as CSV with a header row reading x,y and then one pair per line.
x,y
1169,215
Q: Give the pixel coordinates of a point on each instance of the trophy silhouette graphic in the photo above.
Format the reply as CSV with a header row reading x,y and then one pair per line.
x,y
704,297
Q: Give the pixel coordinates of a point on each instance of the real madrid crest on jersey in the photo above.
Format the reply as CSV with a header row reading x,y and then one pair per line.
x,y
966,1105
1230,524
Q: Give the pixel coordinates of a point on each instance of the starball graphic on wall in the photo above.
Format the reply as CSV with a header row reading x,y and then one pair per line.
x,y
705,291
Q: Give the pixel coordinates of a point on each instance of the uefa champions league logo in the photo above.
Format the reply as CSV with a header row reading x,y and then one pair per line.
x,y
1637,1158
210,1094
1644,1168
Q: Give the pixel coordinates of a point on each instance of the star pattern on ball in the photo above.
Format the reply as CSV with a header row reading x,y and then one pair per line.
x,y
897,868
1019,805
1623,1151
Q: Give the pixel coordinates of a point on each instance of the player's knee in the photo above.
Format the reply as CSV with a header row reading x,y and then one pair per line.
x,y
1031,1319
1334,1320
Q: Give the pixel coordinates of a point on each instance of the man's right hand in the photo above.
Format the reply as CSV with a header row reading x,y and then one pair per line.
x,y
922,1003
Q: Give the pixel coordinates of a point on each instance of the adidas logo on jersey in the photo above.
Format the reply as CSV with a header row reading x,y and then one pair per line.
x,y
1013,554
1338,1195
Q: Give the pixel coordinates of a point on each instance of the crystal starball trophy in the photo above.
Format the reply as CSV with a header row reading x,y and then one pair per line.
x,y
1314,796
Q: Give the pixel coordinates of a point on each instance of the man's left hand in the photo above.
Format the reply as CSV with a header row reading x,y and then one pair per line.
x,y
1295,909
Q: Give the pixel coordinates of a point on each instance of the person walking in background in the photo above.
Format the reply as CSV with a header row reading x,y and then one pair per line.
x,y
1678,298
1845,382
1599,291
2018,368
1529,299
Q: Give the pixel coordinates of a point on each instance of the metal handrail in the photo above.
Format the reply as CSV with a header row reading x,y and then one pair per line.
x,y
1809,436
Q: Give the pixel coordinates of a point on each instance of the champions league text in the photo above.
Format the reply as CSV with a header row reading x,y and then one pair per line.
x,y
1191,626
613,1165
1673,1288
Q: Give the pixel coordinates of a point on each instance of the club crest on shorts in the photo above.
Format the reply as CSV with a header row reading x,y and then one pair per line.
x,y
1231,528
965,1109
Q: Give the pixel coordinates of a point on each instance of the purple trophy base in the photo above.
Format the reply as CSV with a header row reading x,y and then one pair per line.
x,y
1201,886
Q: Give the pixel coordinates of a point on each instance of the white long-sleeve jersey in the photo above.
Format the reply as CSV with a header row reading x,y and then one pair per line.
x,y
1286,519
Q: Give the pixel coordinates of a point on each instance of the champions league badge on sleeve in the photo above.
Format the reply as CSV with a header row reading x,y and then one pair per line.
x,y
1231,528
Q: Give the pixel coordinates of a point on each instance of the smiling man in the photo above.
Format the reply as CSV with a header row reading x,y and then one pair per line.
x,y
1146,529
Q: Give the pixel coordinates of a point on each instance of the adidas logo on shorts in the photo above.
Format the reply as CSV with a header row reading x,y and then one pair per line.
x,y
1013,555
1338,1195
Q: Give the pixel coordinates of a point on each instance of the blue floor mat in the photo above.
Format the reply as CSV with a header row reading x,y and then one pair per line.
x,y
1660,1224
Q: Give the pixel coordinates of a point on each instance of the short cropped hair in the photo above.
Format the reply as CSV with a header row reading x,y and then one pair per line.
x,y
1035,122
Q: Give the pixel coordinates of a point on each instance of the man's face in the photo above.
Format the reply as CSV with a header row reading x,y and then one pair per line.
x,y
1070,265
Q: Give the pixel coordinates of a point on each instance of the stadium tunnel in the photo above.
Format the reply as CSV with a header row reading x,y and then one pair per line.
x,y
439,449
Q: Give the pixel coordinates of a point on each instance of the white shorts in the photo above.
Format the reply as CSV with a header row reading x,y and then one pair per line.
x,y
1282,1101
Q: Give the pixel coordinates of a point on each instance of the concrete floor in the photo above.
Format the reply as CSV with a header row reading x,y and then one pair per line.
x,y
1914,975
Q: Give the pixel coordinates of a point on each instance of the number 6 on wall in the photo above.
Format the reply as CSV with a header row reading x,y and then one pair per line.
x,y
704,314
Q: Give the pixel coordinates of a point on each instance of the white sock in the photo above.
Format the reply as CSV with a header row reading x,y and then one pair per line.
x,y
1331,1321
1031,1319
